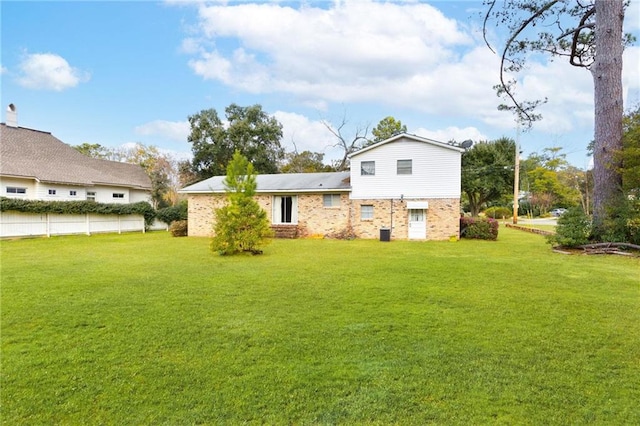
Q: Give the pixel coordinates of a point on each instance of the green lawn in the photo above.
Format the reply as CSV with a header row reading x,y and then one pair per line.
x,y
149,329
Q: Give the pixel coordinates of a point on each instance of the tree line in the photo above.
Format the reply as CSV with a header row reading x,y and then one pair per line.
x,y
249,131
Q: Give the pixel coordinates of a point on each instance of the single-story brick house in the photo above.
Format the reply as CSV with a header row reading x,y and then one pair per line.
x,y
407,184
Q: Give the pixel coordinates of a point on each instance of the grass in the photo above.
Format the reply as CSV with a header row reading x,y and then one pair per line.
x,y
149,329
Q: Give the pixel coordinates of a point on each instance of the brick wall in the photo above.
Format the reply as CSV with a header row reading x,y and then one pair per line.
x,y
443,216
316,220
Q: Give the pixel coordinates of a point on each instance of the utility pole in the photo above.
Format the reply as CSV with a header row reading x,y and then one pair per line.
x,y
516,178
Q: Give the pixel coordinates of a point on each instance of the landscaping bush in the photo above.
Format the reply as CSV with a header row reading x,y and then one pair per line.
x,y
498,212
170,214
78,207
623,223
480,228
179,228
573,229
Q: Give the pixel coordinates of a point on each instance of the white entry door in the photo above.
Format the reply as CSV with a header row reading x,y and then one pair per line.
x,y
417,224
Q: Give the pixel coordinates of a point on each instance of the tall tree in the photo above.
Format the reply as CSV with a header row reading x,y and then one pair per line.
x,y
487,172
250,130
630,156
240,225
550,181
386,128
304,162
94,150
348,144
589,34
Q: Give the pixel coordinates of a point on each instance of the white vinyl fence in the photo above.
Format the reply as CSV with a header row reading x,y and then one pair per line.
x,y
16,224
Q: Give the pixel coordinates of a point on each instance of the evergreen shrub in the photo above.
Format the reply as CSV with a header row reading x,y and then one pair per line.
x,y
170,214
573,229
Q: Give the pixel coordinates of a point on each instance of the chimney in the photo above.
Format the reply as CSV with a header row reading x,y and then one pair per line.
x,y
12,116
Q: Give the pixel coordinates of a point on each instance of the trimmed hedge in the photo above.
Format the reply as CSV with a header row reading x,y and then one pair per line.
x,y
173,213
78,207
480,228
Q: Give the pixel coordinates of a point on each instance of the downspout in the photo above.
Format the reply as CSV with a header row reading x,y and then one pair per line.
x,y
391,225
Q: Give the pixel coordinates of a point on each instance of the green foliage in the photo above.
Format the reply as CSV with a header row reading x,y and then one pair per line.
x,y
179,228
305,162
498,212
173,213
250,130
487,172
573,229
241,225
630,154
94,150
479,228
623,222
387,128
78,207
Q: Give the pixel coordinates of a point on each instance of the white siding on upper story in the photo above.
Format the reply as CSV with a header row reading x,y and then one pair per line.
x,y
435,172
62,192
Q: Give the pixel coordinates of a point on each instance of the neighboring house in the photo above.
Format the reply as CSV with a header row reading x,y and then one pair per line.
x,y
36,165
406,187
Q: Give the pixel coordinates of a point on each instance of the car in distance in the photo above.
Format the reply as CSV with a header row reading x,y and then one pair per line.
x,y
558,212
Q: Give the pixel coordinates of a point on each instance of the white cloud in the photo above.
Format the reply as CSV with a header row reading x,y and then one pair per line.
x,y
49,71
172,130
302,134
632,17
351,51
404,55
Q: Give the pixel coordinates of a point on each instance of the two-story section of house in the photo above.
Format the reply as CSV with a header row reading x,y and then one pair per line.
x,y
36,165
406,186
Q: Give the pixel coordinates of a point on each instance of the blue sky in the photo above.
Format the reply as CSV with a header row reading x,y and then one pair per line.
x,y
120,72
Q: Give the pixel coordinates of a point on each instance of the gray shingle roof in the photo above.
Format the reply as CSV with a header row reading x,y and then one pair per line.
x,y
35,154
286,182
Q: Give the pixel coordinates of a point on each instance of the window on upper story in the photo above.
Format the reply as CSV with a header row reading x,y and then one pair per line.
x,y
91,196
367,168
16,190
331,200
73,193
52,192
405,167
366,212
118,195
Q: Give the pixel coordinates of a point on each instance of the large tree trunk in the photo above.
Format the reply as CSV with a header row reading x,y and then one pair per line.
x,y
607,79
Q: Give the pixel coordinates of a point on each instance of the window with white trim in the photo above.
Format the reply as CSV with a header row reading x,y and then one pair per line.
x,y
52,192
73,193
367,168
405,167
91,196
285,209
331,200
118,195
16,190
366,212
